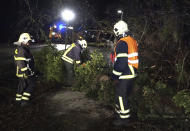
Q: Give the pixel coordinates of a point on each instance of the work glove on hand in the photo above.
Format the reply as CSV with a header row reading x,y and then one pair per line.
x,y
27,72
38,74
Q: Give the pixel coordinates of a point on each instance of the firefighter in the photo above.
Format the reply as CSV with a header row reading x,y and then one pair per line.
x,y
124,71
24,62
72,56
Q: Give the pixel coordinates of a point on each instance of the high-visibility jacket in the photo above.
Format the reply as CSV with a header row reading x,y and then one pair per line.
x,y
72,54
24,62
126,61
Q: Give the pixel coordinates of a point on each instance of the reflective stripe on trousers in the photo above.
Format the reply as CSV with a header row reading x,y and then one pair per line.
x,y
122,93
25,88
133,75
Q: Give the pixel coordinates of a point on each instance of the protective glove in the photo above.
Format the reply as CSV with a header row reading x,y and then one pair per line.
x,y
27,72
38,74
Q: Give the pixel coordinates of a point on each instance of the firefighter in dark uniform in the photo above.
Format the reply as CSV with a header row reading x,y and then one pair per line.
x,y
124,72
24,62
72,56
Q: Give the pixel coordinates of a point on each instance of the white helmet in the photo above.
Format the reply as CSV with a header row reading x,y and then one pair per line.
x,y
120,28
83,43
24,38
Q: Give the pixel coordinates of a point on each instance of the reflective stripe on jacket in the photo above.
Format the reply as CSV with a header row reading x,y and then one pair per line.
x,y
72,54
126,61
24,62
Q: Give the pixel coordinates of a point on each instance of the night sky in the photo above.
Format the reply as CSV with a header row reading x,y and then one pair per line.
x,y
8,15
10,8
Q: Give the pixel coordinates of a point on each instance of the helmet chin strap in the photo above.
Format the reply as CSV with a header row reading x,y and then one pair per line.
x,y
125,34
122,35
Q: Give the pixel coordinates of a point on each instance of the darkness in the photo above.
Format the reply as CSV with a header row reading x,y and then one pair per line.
x,y
9,10
8,15
100,6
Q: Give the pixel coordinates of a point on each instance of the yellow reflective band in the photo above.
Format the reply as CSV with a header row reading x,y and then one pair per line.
x,y
18,99
132,69
122,55
78,62
24,69
16,51
124,116
73,45
65,57
18,95
20,75
17,69
116,73
133,61
123,112
19,58
121,103
129,76
132,54
25,98
67,60
26,94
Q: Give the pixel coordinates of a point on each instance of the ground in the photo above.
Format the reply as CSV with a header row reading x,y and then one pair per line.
x,y
60,109
56,109
82,112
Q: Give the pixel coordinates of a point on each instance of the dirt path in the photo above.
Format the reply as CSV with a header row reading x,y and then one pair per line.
x,y
76,112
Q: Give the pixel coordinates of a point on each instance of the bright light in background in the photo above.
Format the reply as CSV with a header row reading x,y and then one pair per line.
x,y
119,11
70,27
67,15
55,26
53,33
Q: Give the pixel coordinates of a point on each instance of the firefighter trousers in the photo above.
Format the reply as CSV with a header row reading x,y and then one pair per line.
x,y
25,89
69,73
122,93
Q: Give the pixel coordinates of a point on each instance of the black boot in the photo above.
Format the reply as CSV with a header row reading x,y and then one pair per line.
x,y
17,103
120,122
24,103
